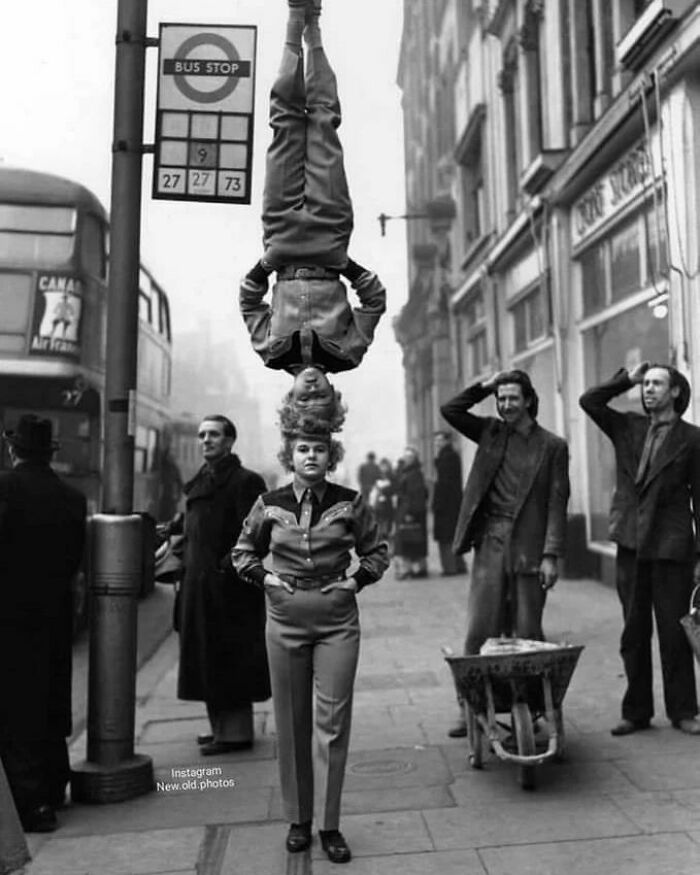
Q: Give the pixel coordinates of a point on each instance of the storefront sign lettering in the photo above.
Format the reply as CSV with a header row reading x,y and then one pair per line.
x,y
629,174
626,180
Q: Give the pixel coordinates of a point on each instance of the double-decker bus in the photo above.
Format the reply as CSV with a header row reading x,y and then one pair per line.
x,y
54,238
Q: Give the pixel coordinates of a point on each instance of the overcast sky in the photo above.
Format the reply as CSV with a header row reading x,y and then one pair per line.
x,y
56,98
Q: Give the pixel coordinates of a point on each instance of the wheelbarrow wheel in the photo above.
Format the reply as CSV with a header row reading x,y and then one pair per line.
x,y
525,740
475,737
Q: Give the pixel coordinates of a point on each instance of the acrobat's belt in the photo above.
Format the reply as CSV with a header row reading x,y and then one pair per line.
x,y
306,272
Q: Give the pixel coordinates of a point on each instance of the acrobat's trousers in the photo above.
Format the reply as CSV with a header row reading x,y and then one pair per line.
x,y
307,211
313,644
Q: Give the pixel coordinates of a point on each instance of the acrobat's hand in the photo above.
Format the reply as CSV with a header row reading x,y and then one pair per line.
x,y
353,271
260,272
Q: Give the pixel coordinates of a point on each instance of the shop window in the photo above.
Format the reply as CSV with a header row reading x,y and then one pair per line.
x,y
529,320
625,265
593,279
657,254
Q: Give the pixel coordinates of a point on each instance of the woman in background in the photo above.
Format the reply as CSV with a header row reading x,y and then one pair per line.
x,y
381,500
411,539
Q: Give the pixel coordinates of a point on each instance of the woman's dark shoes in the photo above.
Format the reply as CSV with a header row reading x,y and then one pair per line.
x,y
40,819
204,738
213,748
299,837
627,727
335,846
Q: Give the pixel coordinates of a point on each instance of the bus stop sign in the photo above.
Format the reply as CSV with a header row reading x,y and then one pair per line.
x,y
205,113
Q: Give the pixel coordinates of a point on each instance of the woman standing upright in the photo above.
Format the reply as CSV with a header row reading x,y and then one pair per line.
x,y
411,541
308,529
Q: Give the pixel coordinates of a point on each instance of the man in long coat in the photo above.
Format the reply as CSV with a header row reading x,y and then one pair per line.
x,y
513,511
655,522
42,535
221,621
447,497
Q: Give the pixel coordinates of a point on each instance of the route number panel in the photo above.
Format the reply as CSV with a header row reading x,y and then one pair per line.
x,y
204,114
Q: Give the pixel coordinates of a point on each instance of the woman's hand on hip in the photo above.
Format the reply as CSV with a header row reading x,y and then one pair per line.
x,y
272,581
349,584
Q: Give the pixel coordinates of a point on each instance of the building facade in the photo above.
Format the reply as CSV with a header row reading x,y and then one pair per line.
x,y
562,134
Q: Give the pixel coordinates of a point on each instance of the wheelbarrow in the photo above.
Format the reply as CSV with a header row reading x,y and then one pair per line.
x,y
526,680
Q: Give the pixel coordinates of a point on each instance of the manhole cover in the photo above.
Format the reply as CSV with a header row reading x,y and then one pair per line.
x,y
383,767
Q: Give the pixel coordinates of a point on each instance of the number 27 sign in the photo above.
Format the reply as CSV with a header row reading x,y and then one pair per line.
x,y
204,114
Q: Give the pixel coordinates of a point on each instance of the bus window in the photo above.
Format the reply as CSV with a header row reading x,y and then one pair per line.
x,y
43,220
15,305
145,314
165,317
36,236
93,255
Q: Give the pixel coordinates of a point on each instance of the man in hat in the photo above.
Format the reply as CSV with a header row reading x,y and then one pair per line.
x,y
513,511
655,522
42,534
307,222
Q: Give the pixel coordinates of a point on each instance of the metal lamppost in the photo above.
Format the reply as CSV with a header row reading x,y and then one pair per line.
x,y
112,771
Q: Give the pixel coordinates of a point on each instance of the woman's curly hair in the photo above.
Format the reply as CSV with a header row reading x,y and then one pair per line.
x,y
309,428
333,415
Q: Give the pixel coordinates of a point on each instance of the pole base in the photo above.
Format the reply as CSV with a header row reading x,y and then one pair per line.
x,y
91,782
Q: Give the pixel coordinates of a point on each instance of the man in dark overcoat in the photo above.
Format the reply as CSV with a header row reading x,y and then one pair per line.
x,y
221,621
447,497
42,535
655,522
513,511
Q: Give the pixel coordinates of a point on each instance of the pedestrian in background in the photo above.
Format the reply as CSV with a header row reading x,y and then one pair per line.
x,y
513,511
411,538
308,528
655,522
221,624
447,497
367,475
381,500
42,535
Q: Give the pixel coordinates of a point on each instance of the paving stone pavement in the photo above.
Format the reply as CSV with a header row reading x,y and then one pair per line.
x,y
412,803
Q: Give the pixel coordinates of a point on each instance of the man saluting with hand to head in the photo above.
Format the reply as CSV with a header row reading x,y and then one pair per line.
x,y
655,522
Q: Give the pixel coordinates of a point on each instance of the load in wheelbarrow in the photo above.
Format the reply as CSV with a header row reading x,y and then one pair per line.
x,y
526,680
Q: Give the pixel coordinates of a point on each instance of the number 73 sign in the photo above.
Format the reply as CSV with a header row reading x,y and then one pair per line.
x,y
204,113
